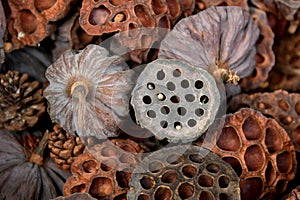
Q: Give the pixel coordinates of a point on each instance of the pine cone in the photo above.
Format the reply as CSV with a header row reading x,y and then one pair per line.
x,y
64,148
21,102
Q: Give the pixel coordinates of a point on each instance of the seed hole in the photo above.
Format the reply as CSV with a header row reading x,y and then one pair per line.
x,y
224,181
196,158
205,181
273,140
177,125
224,196
151,86
252,129
101,186
185,84
165,110
254,158
161,97
147,99
186,190
192,123
147,182
174,159
151,114
143,197
189,171
89,166
284,162
123,179
78,188
108,152
206,195
169,177
171,86
99,15
285,119
181,111
204,99
105,167
198,84
235,164
160,75
175,99
127,158
283,105
281,186
28,21
251,188
229,139
155,167
120,17
177,73
163,193
213,168
164,124
199,112
270,174
189,98
297,108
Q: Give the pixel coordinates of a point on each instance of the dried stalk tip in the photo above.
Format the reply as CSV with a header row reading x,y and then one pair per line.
x,y
37,155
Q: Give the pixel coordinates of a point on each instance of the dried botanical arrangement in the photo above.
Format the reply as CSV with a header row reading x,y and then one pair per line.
x,y
203,4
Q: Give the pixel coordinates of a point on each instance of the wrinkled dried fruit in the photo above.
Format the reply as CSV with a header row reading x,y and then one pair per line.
x,y
21,101
175,100
223,39
104,171
259,150
88,91
284,107
183,172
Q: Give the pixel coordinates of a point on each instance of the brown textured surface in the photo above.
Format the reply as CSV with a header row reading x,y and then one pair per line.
x,y
284,107
2,31
265,58
76,196
183,172
203,4
294,195
278,80
105,173
64,148
259,150
21,101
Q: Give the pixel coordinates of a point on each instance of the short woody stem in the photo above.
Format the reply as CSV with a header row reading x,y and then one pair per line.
x,y
37,155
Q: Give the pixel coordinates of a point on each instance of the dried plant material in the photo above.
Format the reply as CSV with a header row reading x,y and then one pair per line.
x,y
284,107
64,148
21,101
278,80
2,31
222,37
175,100
26,175
265,58
30,21
259,150
88,91
105,173
294,195
76,196
183,172
203,4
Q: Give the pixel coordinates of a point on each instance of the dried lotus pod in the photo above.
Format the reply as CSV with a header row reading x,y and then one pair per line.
x,y
265,58
284,107
64,148
183,172
88,91
175,100
21,101
259,150
278,80
223,37
76,196
30,21
203,4
104,171
294,195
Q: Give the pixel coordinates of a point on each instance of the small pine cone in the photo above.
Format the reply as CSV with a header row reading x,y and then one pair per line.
x,y
64,147
21,101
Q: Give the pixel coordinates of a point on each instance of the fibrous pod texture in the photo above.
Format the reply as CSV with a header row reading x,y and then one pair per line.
x,y
88,91
183,172
259,150
284,107
175,100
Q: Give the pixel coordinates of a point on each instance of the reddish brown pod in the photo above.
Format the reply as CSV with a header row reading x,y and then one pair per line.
x,y
278,80
105,171
203,4
284,107
76,196
294,195
259,150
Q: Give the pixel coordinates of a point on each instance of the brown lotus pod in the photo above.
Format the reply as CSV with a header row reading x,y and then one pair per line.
x,y
284,107
30,20
265,58
89,91
278,80
64,148
21,101
175,100
203,4
288,56
104,171
183,172
76,196
259,150
294,195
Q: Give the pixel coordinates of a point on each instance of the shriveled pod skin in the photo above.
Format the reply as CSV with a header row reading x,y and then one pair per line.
x,y
183,172
284,107
203,4
259,150
220,40
88,91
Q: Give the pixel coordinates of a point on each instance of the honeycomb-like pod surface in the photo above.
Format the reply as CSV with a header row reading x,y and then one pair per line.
x,y
277,80
104,170
284,107
30,20
77,196
203,4
265,58
288,57
183,172
294,195
259,150
175,100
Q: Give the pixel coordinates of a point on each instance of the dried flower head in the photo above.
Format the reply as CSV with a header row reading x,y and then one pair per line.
x,y
88,91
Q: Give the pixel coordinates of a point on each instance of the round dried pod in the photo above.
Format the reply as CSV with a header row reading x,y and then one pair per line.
x,y
175,100
265,58
183,172
64,148
76,196
294,195
203,4
88,91
223,37
25,174
278,80
104,171
284,107
21,101
259,150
